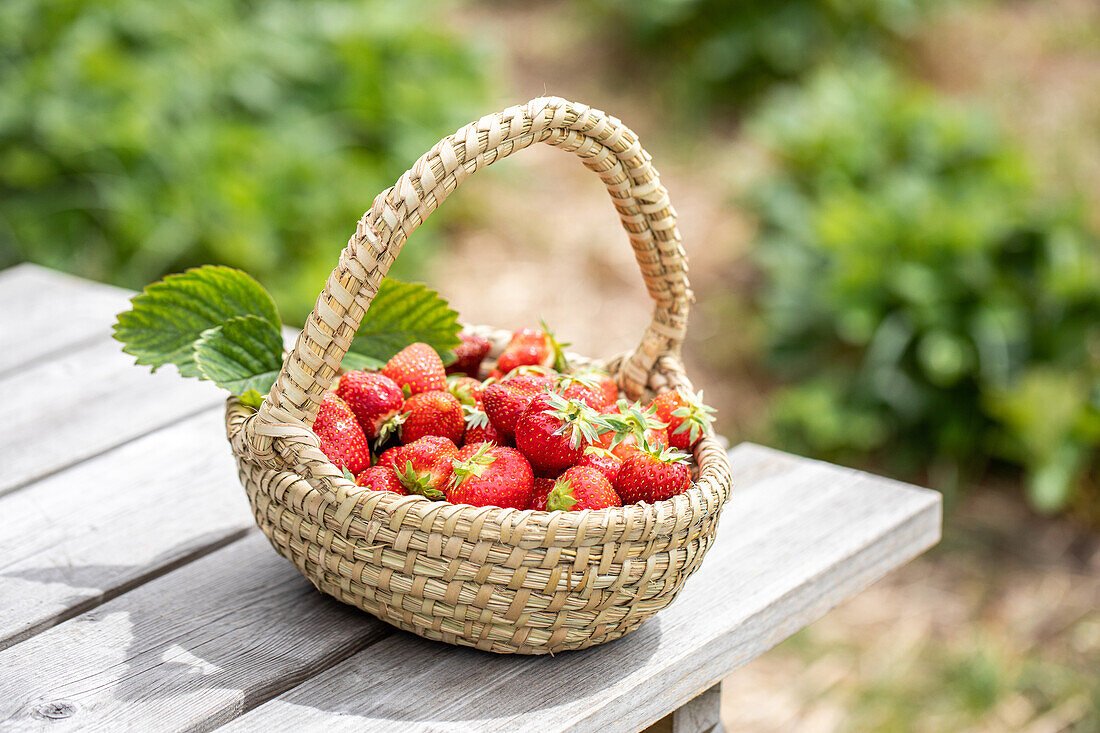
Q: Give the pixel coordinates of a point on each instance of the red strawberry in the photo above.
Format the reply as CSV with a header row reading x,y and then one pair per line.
x,y
374,398
469,354
631,428
466,390
653,476
687,417
504,403
392,457
586,389
530,380
539,491
381,478
491,475
530,346
608,387
554,431
432,413
602,460
478,427
342,439
581,488
426,466
416,368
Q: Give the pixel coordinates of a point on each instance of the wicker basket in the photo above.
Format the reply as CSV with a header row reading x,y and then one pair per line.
x,y
502,580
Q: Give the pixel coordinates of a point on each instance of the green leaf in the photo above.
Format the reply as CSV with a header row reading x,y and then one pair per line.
x,y
241,355
353,360
402,314
170,315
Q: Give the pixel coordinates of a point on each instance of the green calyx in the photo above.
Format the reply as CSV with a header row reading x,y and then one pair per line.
x,y
560,497
560,362
697,416
418,483
474,417
633,420
668,455
579,422
565,381
461,393
390,428
475,465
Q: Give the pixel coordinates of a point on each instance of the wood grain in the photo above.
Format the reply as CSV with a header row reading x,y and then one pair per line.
x,y
798,537
92,531
699,715
43,311
64,410
187,651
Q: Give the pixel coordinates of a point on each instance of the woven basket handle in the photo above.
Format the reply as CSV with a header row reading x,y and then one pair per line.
x,y
603,143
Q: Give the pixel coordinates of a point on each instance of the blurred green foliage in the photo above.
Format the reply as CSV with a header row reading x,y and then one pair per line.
x,y
932,308
722,51
140,137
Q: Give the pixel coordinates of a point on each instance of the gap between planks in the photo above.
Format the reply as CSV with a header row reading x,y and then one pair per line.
x,y
209,625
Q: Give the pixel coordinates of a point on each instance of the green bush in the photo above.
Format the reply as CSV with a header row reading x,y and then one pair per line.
x,y
933,310
729,50
140,137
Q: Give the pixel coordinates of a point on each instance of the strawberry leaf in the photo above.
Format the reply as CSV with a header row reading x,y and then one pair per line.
x,y
168,316
243,354
402,314
353,360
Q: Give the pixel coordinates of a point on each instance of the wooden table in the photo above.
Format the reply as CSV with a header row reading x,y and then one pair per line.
x,y
136,594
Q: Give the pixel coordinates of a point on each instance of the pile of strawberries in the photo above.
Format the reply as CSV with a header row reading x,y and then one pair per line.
x,y
531,436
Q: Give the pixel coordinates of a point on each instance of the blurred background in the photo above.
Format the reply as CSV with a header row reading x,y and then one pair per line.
x,y
892,211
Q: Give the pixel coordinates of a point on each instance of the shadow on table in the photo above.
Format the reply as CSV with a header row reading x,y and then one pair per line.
x,y
255,627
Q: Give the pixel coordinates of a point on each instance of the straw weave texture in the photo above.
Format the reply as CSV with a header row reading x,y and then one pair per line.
x,y
502,580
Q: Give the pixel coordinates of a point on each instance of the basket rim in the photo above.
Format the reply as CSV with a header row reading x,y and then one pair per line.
x,y
703,498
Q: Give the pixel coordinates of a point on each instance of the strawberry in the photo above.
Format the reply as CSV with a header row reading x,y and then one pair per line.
x,y
478,427
416,368
374,398
432,413
469,354
342,439
466,390
427,465
608,387
687,416
554,431
584,388
602,460
504,403
531,379
380,478
652,476
581,488
633,427
540,489
530,346
491,475
392,457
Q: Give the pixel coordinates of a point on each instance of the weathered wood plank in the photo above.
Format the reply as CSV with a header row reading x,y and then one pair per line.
x,y
62,411
700,715
187,651
92,531
798,537
43,311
